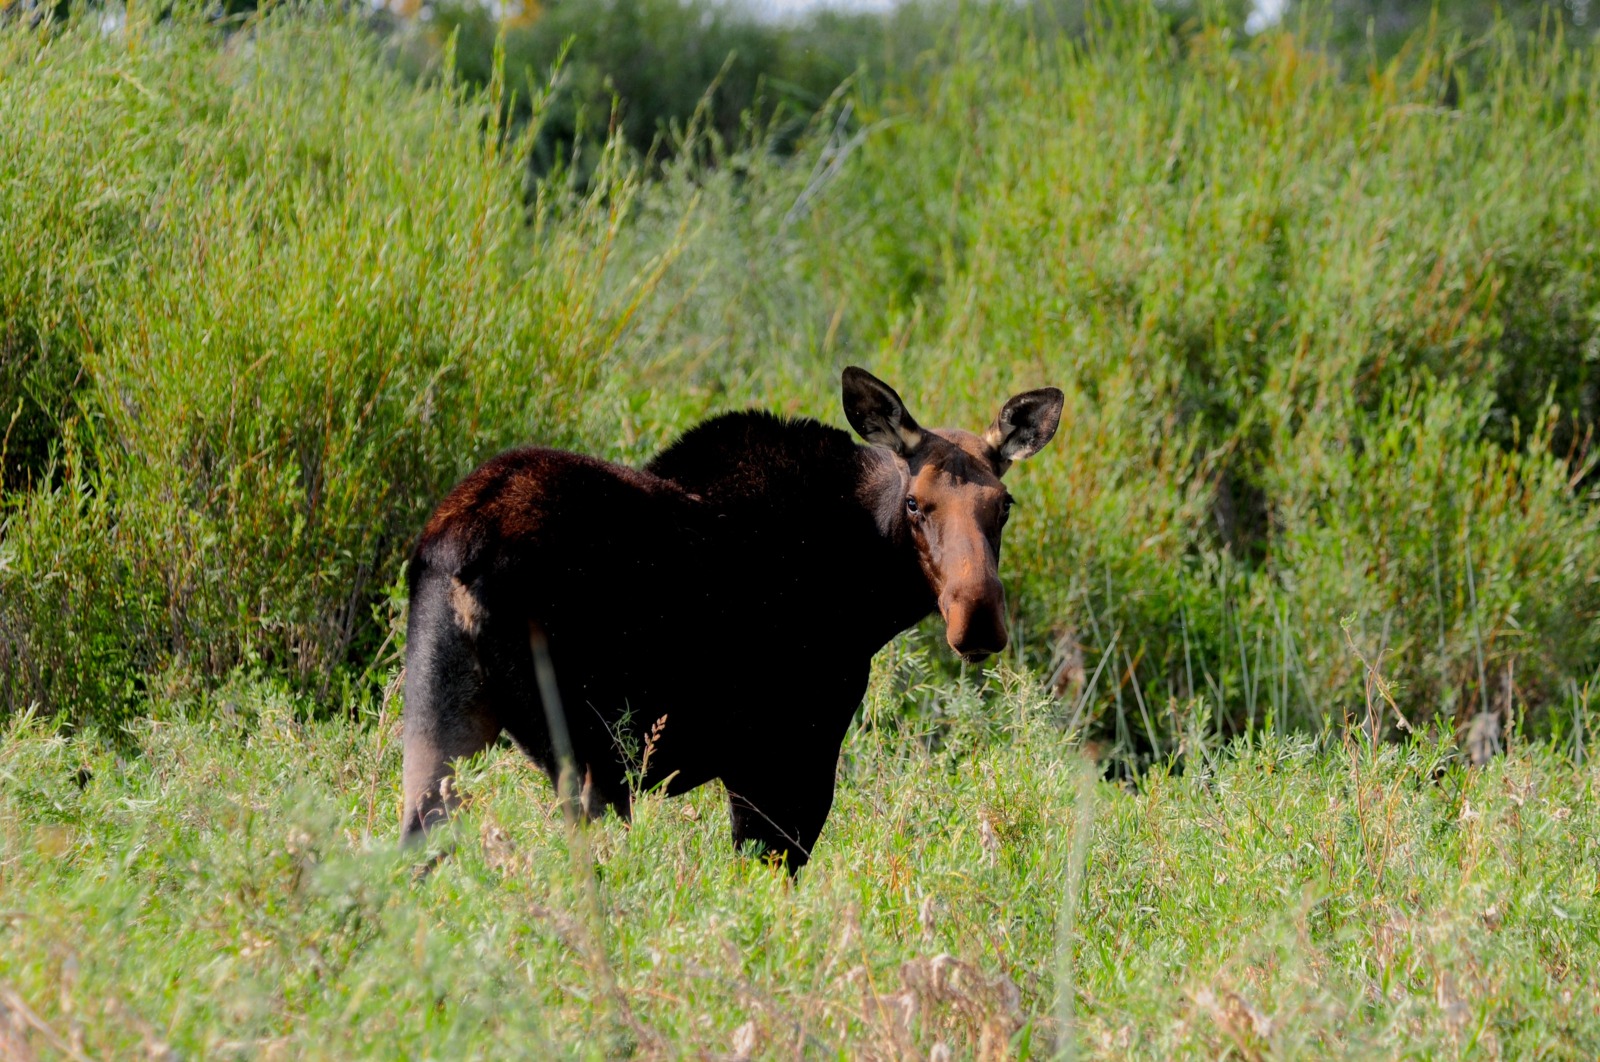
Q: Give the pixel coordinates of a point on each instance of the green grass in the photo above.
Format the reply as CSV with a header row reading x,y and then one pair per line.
x,y
232,887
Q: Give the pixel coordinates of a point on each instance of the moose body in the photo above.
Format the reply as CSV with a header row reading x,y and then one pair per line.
x,y
723,605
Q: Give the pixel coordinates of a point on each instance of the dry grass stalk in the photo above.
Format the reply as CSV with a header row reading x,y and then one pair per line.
x,y
650,741
1247,1029
944,998
583,873
17,1018
381,739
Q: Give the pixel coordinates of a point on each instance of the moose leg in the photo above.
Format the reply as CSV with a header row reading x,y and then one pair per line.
x,y
444,720
783,809
430,755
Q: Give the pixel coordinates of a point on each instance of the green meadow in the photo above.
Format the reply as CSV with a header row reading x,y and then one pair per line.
x,y
1290,755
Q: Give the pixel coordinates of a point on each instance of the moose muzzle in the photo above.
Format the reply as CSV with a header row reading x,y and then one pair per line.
x,y
974,618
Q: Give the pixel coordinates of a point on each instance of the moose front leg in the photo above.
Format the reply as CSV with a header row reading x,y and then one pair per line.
x,y
783,808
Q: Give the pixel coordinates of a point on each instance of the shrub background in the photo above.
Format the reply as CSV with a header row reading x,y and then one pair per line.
x,y
1327,341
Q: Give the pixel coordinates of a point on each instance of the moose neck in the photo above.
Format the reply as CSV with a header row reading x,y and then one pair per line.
x,y
892,574
833,509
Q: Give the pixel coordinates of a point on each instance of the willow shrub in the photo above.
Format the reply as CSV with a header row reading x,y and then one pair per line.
x,y
1327,338
1327,343
305,296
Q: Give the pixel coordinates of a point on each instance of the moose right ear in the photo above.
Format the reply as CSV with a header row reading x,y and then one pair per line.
x,y
1026,422
877,413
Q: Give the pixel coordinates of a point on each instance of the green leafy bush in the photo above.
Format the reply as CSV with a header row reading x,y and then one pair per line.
x,y
315,298
649,70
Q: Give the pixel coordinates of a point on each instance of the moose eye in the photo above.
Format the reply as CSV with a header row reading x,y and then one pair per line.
x,y
1005,508
911,505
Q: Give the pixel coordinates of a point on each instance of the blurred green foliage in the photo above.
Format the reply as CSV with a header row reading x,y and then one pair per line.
x,y
1377,29
650,70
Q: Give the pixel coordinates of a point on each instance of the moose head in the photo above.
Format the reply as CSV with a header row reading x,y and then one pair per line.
x,y
941,493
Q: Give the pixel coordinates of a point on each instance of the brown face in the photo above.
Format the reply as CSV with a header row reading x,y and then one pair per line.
x,y
954,506
955,509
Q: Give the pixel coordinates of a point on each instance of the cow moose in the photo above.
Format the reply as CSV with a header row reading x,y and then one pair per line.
x,y
723,604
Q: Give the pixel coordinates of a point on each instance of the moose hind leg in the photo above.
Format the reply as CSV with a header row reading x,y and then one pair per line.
x,y
444,718
430,766
783,811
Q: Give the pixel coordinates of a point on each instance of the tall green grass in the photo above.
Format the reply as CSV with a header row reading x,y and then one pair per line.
x,y
1327,343
234,889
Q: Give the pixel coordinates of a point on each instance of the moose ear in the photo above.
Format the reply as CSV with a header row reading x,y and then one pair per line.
x,y
877,413
1025,424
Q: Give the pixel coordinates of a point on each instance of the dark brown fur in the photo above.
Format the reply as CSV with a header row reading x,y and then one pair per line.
x,y
738,586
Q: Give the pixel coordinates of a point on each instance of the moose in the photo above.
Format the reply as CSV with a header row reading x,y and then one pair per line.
x,y
721,606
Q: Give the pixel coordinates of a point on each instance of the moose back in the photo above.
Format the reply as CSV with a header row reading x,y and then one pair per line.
x,y
723,605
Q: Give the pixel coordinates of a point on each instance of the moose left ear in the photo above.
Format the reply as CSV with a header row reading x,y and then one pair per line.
x,y
1025,424
877,413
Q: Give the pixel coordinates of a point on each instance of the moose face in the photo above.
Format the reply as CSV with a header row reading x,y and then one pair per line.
x,y
949,501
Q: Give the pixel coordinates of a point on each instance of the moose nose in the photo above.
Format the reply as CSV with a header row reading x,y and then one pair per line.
x,y
975,626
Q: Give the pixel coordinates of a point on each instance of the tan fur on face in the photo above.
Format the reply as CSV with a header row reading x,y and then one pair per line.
x,y
469,612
